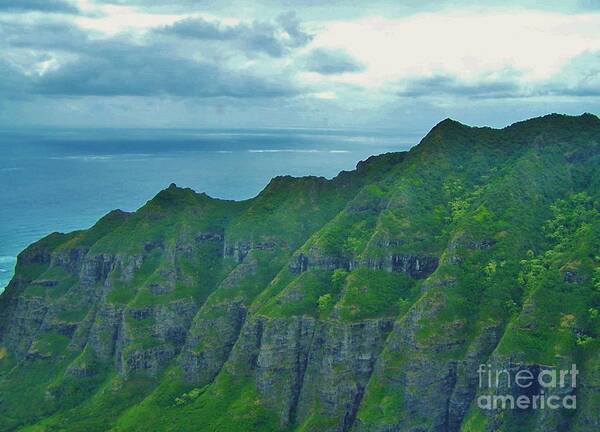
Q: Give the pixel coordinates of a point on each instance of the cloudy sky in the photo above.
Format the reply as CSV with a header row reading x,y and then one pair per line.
x,y
266,63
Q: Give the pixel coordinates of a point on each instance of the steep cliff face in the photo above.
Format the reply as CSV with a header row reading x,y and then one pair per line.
x,y
362,303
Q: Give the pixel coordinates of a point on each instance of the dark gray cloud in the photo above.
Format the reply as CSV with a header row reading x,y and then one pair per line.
x,y
43,35
442,85
57,6
330,62
199,28
143,72
293,27
120,66
588,87
273,38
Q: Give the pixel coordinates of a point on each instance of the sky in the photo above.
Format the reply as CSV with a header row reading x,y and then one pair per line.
x,y
302,63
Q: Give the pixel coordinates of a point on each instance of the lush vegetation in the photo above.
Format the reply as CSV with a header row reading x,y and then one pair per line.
x,y
382,288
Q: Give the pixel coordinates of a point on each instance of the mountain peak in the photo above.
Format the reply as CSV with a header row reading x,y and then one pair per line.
x,y
443,134
559,121
449,123
174,196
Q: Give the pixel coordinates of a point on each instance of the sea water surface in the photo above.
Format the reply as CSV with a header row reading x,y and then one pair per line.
x,y
66,179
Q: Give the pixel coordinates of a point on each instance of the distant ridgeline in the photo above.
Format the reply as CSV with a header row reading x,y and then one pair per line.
x,y
375,301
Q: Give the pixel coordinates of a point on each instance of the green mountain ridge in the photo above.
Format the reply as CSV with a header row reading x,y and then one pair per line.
x,y
362,303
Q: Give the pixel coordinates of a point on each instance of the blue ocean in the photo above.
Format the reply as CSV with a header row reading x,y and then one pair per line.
x,y
66,179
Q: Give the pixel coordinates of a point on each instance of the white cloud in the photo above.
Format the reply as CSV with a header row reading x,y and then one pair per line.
x,y
113,19
529,45
328,95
